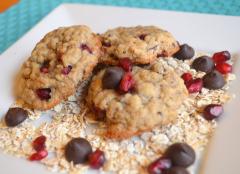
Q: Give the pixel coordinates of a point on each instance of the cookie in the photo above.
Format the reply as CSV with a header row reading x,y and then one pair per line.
x,y
153,101
142,44
58,63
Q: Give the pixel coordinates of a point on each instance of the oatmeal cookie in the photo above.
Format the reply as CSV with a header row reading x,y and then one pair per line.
x,y
154,100
62,59
142,44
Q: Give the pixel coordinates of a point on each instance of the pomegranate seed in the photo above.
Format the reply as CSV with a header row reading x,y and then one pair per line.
x,y
194,85
126,64
44,93
44,67
186,77
212,111
96,159
38,155
221,56
224,68
44,70
142,36
160,55
106,44
39,143
85,47
158,166
126,83
66,70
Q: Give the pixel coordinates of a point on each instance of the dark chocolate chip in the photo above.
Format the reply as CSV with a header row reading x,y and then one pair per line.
x,y
15,116
181,154
213,80
77,150
176,170
112,77
185,52
203,63
142,36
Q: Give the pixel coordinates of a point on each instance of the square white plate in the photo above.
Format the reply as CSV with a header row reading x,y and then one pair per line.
x,y
203,32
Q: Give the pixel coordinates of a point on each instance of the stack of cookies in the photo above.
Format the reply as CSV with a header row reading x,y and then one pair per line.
x,y
130,92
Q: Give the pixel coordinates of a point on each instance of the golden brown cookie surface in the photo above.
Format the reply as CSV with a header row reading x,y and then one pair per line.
x,y
62,59
142,44
154,101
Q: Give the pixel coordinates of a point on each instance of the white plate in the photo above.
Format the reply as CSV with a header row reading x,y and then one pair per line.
x,y
203,32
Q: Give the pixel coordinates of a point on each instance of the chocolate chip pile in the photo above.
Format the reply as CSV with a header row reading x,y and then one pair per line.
x,y
170,149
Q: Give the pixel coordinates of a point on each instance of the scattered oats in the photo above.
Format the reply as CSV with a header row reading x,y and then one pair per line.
x,y
172,62
162,138
131,148
72,119
72,98
58,107
146,136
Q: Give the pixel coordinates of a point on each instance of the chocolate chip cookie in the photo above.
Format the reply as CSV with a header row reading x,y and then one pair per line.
x,y
152,98
142,44
62,59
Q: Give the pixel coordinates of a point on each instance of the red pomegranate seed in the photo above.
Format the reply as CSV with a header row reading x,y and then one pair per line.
x,y
66,70
96,159
221,56
85,47
44,67
126,83
126,64
39,143
186,77
106,44
44,70
142,36
44,93
38,155
223,68
194,85
160,55
212,111
158,166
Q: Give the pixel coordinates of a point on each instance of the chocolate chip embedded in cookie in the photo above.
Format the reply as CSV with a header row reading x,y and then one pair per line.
x,y
153,101
112,77
141,44
62,59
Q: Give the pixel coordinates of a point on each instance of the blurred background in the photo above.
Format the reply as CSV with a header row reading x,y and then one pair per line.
x,y
18,16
